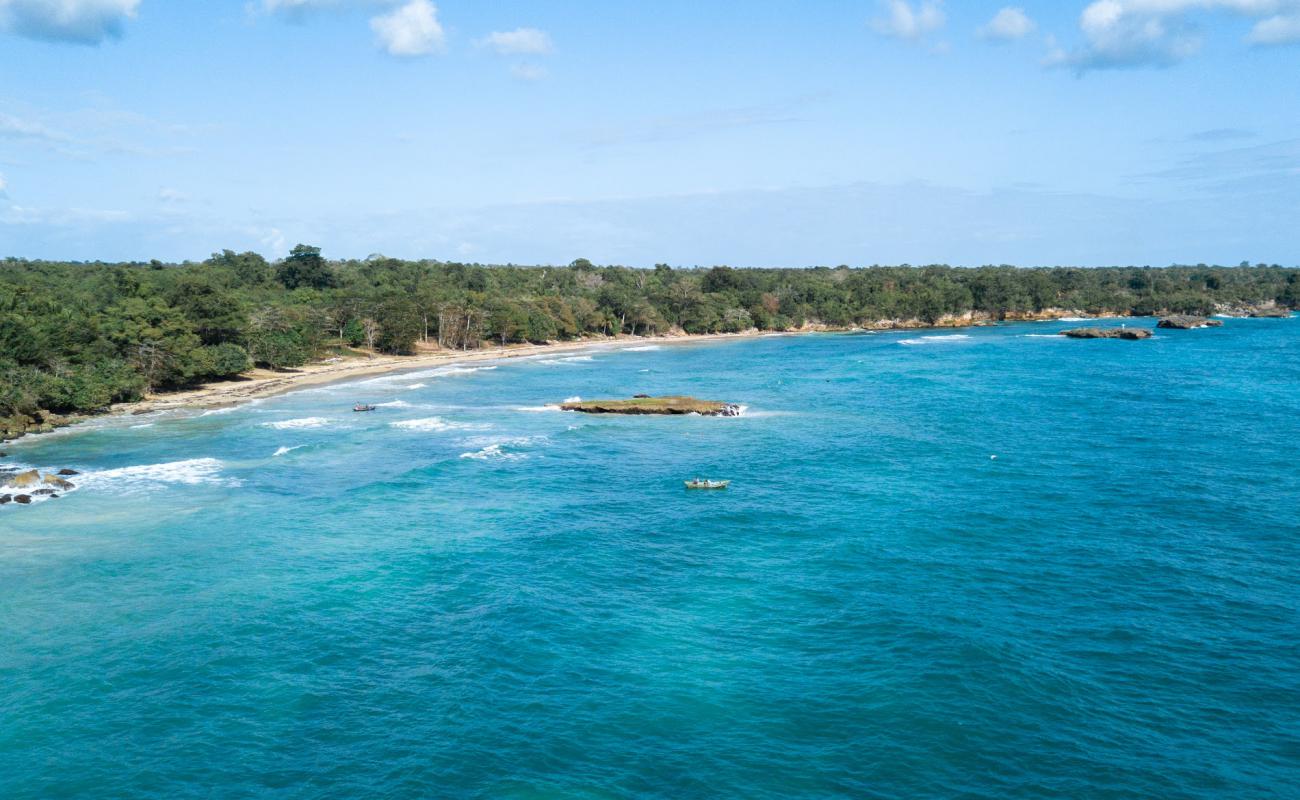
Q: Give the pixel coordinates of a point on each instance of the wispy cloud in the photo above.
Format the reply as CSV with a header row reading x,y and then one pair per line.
x,y
900,19
666,128
411,29
529,72
86,22
520,41
15,128
1008,25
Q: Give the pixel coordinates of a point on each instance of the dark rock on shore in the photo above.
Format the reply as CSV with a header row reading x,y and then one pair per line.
x,y
43,493
6,498
23,499
1187,322
66,471
1107,333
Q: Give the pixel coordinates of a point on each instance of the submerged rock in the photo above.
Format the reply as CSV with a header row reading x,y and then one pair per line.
x,y
66,471
43,493
1107,333
655,405
1187,322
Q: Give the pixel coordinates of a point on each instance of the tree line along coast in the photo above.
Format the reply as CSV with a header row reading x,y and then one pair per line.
x,y
75,338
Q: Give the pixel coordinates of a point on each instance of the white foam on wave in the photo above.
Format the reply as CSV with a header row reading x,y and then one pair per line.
x,y
393,404
493,451
1073,319
954,338
574,399
294,424
537,409
190,472
284,450
645,348
143,425
420,376
1043,336
437,424
566,361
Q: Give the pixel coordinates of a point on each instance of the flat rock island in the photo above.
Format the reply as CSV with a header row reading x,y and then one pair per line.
x,y
655,405
1107,333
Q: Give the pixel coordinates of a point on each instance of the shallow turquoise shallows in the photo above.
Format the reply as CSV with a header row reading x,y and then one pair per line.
x,y
465,594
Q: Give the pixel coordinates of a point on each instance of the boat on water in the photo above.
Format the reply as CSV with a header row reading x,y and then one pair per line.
x,y
699,483
364,407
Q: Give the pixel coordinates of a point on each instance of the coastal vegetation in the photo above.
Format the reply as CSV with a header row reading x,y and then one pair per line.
x,y
78,337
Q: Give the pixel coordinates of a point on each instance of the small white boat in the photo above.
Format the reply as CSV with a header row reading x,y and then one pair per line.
x,y
706,484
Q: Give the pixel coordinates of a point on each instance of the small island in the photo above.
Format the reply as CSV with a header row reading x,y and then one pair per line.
x,y
655,405
1187,322
1107,333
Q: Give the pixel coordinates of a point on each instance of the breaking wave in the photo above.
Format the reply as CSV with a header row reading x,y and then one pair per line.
x,y
284,450
191,472
293,424
437,424
643,348
949,339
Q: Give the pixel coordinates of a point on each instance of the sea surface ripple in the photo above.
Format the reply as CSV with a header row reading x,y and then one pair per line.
x,y
463,594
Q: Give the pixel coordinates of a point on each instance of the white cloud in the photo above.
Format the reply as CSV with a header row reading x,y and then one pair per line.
x,y
520,41
411,29
900,20
1139,33
75,21
4,184
1277,29
169,196
1007,25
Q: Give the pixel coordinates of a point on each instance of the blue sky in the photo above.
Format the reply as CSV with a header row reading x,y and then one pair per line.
x,y
765,133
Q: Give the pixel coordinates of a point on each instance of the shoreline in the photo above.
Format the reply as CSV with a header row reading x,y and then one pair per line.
x,y
259,384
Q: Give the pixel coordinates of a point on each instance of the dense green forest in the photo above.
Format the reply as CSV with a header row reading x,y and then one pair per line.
x,y
76,337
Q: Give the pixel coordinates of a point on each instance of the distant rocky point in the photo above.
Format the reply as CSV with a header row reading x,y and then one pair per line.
x,y
1107,333
655,405
1187,322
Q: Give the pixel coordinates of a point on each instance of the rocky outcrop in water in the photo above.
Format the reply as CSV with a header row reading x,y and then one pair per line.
x,y
1187,322
1107,333
656,405
25,479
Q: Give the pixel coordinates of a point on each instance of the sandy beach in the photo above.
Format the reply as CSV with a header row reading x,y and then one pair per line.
x,y
261,383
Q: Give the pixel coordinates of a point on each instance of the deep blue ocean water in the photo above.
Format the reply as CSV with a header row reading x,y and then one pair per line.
x,y
466,595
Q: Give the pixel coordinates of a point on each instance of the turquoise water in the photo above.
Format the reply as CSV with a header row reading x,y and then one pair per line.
x,y
466,595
